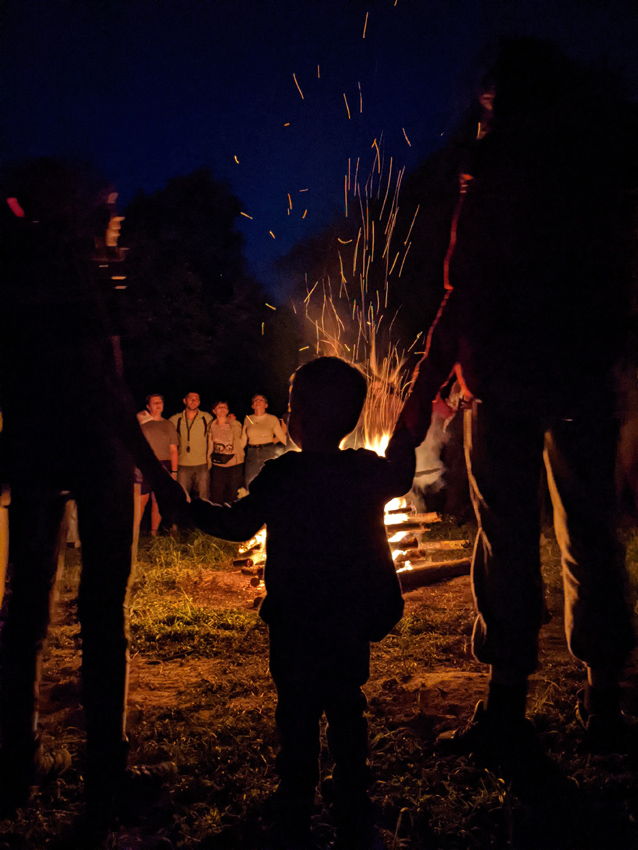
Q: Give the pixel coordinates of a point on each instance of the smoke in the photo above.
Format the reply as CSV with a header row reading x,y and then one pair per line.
x,y
429,466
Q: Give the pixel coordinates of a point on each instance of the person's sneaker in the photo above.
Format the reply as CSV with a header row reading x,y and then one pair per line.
x,y
606,733
492,743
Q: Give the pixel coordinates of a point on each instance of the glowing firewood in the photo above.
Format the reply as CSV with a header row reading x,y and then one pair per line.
x,y
422,573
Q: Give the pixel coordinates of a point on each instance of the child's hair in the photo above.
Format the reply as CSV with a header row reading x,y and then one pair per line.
x,y
330,393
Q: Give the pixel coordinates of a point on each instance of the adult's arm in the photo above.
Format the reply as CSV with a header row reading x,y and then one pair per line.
x,y
432,372
174,459
174,419
278,431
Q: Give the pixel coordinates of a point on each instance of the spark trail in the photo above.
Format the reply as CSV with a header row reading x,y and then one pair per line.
x,y
347,312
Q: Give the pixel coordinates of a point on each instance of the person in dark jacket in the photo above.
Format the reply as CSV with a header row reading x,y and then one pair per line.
x,y
331,588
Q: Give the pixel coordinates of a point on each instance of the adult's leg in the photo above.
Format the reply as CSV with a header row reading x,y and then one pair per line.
x,y
35,530
256,457
202,481
185,477
217,485
225,481
504,456
156,517
143,503
580,459
235,481
105,511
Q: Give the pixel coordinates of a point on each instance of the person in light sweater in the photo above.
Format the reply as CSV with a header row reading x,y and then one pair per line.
x,y
226,455
260,435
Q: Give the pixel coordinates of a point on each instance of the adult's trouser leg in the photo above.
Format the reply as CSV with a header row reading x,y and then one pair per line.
x,y
256,457
35,533
202,481
224,483
195,479
580,459
106,516
236,481
218,477
504,457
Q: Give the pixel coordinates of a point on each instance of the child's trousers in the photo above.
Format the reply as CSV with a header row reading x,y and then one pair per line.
x,y
299,710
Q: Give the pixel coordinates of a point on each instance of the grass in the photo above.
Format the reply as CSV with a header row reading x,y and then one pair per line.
x,y
214,716
166,622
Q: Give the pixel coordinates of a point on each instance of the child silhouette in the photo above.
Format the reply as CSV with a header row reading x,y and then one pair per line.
x,y
331,589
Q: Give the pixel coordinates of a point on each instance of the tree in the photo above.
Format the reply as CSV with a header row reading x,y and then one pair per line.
x,y
195,318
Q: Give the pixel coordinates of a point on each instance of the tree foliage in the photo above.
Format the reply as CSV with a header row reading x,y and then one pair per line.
x,y
194,317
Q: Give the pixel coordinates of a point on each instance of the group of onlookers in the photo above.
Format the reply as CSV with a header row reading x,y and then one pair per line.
x,y
211,456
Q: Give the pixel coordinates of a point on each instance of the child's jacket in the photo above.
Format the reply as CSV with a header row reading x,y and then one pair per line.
x,y
329,573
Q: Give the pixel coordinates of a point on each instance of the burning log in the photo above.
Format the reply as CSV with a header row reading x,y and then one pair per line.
x,y
243,562
406,509
425,547
407,542
406,520
246,553
423,573
430,517
414,525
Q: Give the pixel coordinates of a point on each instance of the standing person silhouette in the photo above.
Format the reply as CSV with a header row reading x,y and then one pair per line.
x,y
533,321
331,589
56,356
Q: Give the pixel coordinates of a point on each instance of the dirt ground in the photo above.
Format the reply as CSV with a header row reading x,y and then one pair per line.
x,y
446,692
214,713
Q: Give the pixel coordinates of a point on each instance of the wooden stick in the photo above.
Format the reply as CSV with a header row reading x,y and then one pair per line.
x,y
423,573
426,546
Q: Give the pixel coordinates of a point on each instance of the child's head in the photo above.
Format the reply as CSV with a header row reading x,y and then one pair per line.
x,y
326,399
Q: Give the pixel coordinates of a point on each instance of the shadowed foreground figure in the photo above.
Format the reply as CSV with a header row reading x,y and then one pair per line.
x,y
331,589
533,321
68,426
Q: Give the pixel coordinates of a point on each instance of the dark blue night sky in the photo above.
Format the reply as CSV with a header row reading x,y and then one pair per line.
x,y
149,89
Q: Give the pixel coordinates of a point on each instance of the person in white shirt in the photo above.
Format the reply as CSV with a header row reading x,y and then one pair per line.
x,y
260,435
